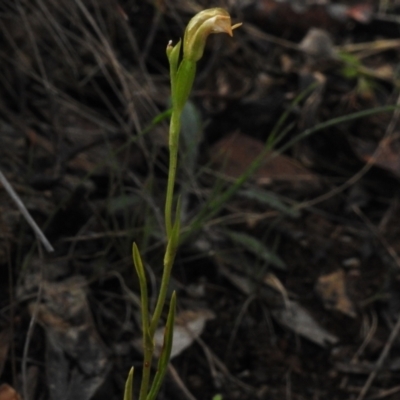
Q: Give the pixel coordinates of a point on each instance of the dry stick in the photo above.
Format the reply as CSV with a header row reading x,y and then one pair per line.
x,y
215,363
381,359
178,381
386,393
21,206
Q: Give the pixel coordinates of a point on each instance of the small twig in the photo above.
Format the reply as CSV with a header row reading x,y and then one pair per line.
x,y
393,336
21,206
178,381
215,363
386,392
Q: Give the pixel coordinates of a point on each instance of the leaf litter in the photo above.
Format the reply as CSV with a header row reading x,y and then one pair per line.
x,y
298,266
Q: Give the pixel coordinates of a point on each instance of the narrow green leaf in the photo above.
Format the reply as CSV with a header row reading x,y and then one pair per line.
x,y
256,247
128,393
168,334
160,117
137,261
277,129
163,361
271,199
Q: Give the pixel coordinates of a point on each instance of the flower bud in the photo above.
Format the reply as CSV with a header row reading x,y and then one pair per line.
x,y
169,48
213,20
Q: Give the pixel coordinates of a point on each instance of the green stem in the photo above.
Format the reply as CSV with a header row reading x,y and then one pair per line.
x,y
168,263
174,129
148,356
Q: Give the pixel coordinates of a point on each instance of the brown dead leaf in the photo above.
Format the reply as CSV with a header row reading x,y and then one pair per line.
x,y
8,393
332,290
386,156
234,154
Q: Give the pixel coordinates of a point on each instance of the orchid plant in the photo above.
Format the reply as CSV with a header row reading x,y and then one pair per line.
x,y
182,74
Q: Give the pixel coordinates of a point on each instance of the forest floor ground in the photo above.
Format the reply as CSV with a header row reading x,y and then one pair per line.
x,y
289,285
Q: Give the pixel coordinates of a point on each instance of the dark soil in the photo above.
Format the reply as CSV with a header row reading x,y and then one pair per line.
x,y
295,275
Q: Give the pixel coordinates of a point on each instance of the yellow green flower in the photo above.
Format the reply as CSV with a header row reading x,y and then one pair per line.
x,y
213,20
